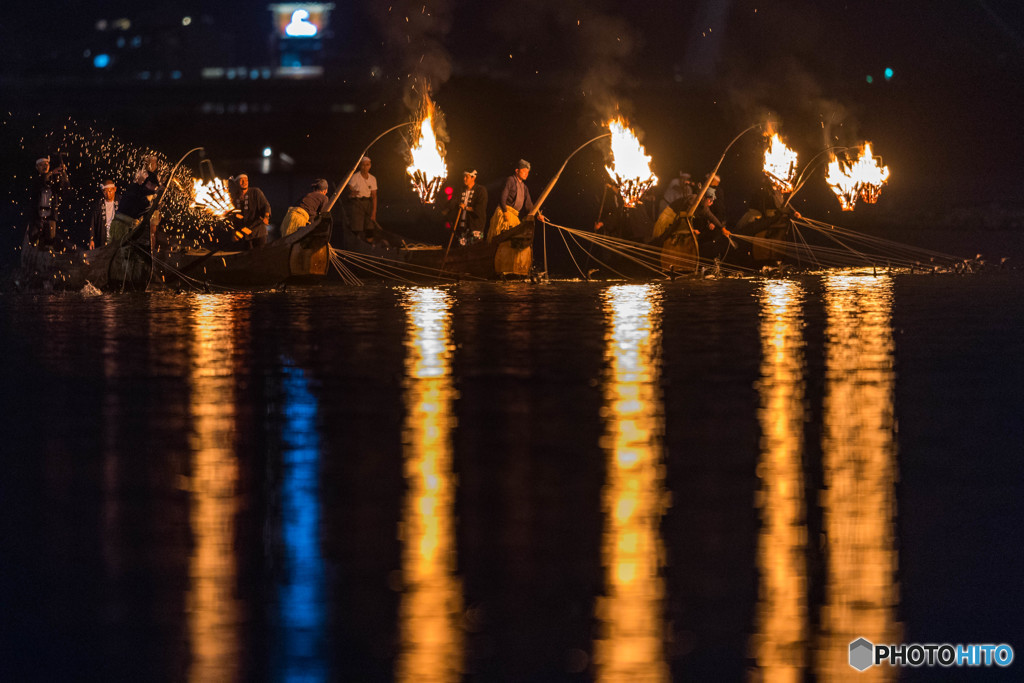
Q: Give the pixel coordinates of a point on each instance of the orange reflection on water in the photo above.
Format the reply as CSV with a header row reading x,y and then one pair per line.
x,y
213,610
431,607
780,645
631,645
859,452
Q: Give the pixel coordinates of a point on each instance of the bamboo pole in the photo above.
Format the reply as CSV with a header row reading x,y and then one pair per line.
x,y
337,190
551,183
707,181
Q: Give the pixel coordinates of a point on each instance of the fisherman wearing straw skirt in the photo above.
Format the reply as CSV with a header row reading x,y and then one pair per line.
x,y
511,256
308,208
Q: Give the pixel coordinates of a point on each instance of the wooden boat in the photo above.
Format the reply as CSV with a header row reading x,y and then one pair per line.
x,y
302,255
510,254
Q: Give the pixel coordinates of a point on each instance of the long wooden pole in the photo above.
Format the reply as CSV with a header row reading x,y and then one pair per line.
x,y
455,226
807,172
551,183
337,190
711,177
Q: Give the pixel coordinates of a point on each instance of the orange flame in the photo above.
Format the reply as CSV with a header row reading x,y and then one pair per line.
x,y
213,196
862,179
780,164
631,166
428,169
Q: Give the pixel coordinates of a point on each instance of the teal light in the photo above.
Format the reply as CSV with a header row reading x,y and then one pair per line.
x,y
888,73
871,79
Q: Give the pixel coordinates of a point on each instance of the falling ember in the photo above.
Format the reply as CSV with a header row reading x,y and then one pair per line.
x,y
212,196
862,179
427,170
631,167
780,164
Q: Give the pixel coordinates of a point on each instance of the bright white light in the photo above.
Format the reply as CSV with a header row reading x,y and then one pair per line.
x,y
300,26
185,21
267,151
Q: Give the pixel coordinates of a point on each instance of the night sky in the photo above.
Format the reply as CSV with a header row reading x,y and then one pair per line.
x,y
948,115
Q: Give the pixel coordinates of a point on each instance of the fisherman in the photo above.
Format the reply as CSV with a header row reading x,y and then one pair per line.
x,y
716,191
680,186
703,220
514,199
137,199
135,203
712,235
770,205
253,213
47,188
467,210
103,215
361,202
309,207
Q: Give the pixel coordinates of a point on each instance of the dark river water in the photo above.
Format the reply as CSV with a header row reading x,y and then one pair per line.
x,y
695,480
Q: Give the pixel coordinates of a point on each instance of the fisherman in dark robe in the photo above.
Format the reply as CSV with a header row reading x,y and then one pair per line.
x,y
137,200
769,207
467,210
103,213
253,214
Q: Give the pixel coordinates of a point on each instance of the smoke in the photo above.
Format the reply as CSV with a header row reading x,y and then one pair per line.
x,y
767,83
606,44
414,34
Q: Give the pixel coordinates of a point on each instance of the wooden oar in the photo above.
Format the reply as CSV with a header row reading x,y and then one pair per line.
x,y
455,226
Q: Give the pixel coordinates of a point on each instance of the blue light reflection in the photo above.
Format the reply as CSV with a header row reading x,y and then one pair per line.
x,y
302,598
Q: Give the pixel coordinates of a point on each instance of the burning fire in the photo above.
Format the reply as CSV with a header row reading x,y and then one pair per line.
x,y
863,179
428,169
212,196
631,166
780,164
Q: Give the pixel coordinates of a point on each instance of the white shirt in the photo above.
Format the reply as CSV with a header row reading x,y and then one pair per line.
x,y
362,187
109,209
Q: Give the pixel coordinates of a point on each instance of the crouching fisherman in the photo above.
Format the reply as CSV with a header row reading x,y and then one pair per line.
x,y
308,208
136,202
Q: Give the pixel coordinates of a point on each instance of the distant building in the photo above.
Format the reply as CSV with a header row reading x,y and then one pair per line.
x,y
301,42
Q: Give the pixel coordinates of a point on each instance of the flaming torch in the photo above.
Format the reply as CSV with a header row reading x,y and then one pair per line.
x,y
862,179
780,164
213,196
428,169
631,166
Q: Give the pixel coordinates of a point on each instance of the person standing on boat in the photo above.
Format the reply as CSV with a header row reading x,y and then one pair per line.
x,y
47,189
308,208
467,210
103,215
253,213
361,201
514,200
